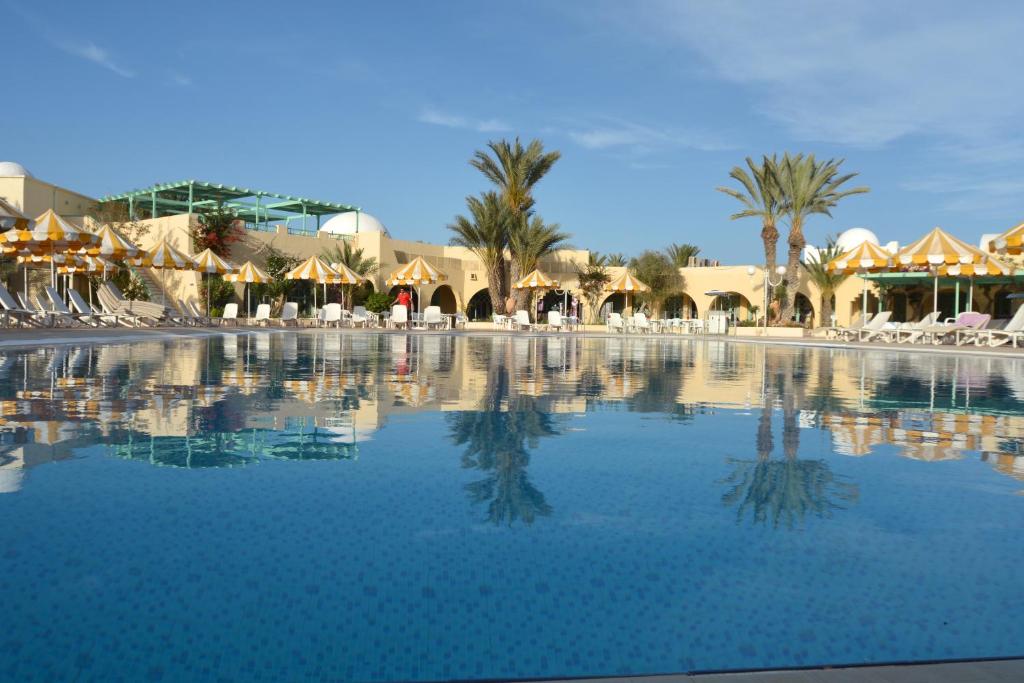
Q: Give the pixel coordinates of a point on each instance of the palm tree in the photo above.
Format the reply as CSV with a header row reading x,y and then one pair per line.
x,y
528,242
760,198
807,186
486,233
680,254
353,257
515,170
828,282
617,259
596,258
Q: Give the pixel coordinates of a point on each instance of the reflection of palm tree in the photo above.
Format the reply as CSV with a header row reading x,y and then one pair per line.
x,y
785,490
496,444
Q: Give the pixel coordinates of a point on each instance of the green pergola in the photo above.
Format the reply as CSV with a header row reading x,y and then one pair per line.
x,y
256,207
926,278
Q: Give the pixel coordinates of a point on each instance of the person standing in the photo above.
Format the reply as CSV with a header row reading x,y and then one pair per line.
x,y
404,299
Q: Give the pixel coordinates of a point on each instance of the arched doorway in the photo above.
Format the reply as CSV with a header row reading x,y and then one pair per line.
x,y
802,308
444,297
615,303
412,290
680,306
479,306
735,304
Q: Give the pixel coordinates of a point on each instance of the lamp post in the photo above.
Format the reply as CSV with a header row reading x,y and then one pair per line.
x,y
781,272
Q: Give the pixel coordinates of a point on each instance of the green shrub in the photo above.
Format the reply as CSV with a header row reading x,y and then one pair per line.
x,y
377,302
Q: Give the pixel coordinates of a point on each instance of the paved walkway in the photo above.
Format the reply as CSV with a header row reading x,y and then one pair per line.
x,y
991,671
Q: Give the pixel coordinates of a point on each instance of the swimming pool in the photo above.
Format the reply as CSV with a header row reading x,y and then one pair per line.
x,y
350,506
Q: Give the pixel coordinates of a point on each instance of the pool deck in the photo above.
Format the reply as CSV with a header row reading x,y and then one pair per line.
x,y
22,337
984,671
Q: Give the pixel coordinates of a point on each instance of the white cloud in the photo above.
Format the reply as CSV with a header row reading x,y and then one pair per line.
x,y
864,73
93,53
436,117
996,196
639,138
180,79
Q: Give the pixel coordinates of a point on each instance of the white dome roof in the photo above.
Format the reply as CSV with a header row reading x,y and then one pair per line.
x,y
13,168
854,237
345,224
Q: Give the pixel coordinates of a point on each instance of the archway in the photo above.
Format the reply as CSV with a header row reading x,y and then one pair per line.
x,y
680,306
613,303
802,308
412,290
444,297
735,304
479,306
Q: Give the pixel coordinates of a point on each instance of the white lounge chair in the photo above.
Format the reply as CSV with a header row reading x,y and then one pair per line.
x,y
521,321
432,317
555,321
913,331
968,320
1011,333
12,310
874,324
88,313
360,316
399,316
500,321
875,329
59,308
615,323
289,314
262,316
331,315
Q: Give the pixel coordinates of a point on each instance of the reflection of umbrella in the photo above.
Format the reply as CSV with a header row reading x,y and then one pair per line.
x,y
249,273
627,284
415,273
209,263
314,269
867,257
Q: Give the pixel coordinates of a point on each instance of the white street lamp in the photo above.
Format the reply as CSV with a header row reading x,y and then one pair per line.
x,y
781,272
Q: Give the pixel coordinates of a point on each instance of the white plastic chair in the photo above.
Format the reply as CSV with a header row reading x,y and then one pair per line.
x,y
432,317
555,321
290,313
360,316
522,320
230,314
615,323
641,323
331,315
262,316
399,316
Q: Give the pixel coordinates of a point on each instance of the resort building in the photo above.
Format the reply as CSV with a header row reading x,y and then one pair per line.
x,y
302,227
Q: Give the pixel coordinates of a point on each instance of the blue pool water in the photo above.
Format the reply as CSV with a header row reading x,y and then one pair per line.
x,y
305,506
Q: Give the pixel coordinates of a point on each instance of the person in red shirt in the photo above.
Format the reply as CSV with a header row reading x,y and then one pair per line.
x,y
404,299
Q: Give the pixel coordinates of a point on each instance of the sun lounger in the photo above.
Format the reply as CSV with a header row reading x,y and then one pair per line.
x,y
230,315
12,310
133,312
937,334
912,331
640,323
52,317
855,332
432,318
615,323
89,314
875,329
555,321
60,309
1011,333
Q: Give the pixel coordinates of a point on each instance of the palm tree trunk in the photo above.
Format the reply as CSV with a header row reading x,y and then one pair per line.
x,y
519,296
770,237
826,309
496,286
796,246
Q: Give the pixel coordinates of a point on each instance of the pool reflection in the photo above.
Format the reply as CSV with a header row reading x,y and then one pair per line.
x,y
236,399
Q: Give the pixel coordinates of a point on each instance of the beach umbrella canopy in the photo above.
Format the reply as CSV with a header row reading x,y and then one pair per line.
x,y
346,276
86,264
536,280
865,257
210,263
415,273
627,283
945,254
314,269
248,274
112,245
49,234
1010,242
10,218
163,256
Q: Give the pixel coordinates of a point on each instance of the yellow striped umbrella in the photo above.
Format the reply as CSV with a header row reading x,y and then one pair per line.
x,y
248,274
866,257
86,264
1010,242
938,250
627,284
314,269
49,234
209,263
10,218
163,257
112,245
536,280
346,276
415,273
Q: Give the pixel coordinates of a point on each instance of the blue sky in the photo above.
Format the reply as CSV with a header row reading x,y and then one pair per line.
x,y
651,103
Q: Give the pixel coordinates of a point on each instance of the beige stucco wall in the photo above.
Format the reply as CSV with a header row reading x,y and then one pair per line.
x,y
32,197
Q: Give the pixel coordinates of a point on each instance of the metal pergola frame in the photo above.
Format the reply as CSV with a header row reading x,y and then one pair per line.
x,y
253,206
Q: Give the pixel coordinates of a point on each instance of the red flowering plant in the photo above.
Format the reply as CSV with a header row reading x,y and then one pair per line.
x,y
217,230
